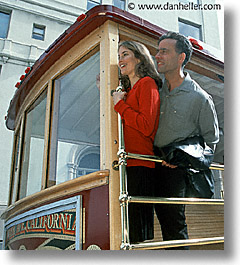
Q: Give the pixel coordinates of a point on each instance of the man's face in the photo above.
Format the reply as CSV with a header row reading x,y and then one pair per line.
x,y
168,60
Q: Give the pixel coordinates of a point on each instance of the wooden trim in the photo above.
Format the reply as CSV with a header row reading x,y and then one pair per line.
x,y
14,189
108,131
52,136
21,154
205,68
35,93
57,192
18,122
46,135
13,162
126,33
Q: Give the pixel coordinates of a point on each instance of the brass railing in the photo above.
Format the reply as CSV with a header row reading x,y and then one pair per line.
x,y
176,243
125,199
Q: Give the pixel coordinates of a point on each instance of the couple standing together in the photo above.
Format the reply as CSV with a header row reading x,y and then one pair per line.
x,y
156,114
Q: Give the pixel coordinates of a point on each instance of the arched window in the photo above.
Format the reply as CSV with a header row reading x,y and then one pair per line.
x,y
83,161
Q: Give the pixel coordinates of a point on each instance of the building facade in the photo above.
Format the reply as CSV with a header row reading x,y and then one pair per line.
x,y
28,27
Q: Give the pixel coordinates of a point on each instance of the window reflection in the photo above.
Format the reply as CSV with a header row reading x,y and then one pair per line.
x,y
188,29
76,123
32,163
4,22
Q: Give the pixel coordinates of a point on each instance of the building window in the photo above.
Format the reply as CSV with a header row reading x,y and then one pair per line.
x,y
91,4
38,32
84,161
189,29
4,22
119,3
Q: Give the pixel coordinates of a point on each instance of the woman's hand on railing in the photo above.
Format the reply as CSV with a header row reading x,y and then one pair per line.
x,y
117,96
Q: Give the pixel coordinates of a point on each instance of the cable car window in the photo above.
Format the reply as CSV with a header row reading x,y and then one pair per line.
x,y
31,175
76,122
15,169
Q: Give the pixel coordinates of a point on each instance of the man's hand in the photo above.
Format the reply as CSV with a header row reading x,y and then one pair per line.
x,y
165,164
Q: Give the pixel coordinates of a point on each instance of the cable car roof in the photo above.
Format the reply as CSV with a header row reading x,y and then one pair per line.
x,y
85,24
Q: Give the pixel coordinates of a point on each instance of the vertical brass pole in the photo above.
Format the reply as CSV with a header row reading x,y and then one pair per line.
x,y
123,198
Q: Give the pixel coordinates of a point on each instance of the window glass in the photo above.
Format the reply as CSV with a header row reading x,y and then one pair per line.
x,y
188,29
88,161
75,138
32,163
119,3
38,32
4,24
15,169
91,4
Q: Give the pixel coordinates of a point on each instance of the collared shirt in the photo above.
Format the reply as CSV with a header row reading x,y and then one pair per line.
x,y
186,111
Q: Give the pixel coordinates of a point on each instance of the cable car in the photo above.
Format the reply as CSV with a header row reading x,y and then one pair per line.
x,y
66,183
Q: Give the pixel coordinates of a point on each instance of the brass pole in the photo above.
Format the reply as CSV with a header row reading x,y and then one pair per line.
x,y
123,198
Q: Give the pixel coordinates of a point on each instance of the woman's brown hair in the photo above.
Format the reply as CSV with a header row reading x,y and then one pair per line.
x,y
145,67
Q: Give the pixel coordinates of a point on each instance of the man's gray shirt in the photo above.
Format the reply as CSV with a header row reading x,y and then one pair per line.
x,y
184,112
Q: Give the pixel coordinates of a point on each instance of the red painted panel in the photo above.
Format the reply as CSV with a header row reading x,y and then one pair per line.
x,y
96,204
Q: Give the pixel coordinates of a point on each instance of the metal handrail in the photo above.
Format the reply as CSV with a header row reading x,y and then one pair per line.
x,y
186,201
157,159
125,199
175,243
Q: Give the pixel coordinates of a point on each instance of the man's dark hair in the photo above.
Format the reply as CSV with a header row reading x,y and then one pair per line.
x,y
183,45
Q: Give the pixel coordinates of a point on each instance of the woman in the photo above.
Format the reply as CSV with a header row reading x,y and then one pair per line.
x,y
139,109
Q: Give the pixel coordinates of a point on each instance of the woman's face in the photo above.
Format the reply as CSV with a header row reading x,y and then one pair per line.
x,y
127,61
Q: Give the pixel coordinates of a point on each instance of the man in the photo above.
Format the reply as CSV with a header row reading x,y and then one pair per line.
x,y
186,110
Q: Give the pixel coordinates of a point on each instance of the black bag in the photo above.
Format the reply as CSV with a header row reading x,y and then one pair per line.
x,y
189,153
200,184
195,157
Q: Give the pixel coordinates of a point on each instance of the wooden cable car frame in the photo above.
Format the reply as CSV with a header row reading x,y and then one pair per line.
x,y
101,29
